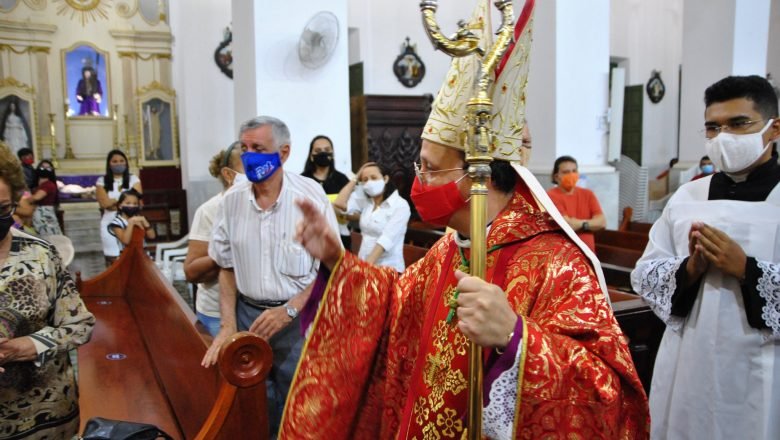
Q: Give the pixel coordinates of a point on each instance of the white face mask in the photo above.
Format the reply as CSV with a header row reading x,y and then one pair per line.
x,y
373,188
240,178
733,153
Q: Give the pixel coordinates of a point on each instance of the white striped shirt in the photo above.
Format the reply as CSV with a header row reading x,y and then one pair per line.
x,y
260,245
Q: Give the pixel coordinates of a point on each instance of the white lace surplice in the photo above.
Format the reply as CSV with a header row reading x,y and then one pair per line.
x,y
715,376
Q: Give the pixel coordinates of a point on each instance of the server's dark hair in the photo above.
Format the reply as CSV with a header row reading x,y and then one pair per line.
x,y
755,88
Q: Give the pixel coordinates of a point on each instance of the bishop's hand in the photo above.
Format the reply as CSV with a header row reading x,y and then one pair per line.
x,y
315,234
484,314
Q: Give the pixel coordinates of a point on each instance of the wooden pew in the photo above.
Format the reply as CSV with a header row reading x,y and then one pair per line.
x,y
617,263
624,239
143,361
627,225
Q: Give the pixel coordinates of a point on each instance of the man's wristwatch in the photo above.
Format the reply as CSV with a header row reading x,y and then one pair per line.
x,y
292,312
585,226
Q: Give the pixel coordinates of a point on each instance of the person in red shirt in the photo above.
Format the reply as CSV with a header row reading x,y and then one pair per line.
x,y
579,206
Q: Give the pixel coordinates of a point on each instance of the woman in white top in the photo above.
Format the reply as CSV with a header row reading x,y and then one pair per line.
x,y
108,189
198,266
383,216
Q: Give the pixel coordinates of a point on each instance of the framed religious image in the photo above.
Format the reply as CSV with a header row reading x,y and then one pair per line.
x,y
223,56
17,110
86,76
655,87
157,125
409,67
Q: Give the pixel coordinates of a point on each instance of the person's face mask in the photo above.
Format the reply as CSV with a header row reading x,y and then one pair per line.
x,y
118,169
733,153
238,177
323,159
373,188
260,166
708,169
130,211
5,226
437,204
569,181
28,160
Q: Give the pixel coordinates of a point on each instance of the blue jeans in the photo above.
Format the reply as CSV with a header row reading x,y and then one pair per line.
x,y
211,324
286,346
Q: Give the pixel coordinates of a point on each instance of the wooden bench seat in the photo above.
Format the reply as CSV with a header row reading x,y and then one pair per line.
x,y
143,361
617,263
625,239
108,387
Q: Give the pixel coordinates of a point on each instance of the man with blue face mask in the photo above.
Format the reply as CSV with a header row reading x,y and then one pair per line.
x,y
705,167
265,275
711,271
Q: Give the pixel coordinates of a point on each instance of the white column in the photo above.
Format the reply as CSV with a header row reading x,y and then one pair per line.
x,y
270,79
720,38
204,95
568,82
773,51
568,94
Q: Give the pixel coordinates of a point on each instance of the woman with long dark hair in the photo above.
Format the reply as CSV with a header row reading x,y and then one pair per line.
x,y
373,200
108,188
320,167
47,198
89,92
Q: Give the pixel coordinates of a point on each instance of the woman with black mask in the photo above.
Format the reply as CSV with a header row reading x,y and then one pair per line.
x,y
46,197
320,167
108,189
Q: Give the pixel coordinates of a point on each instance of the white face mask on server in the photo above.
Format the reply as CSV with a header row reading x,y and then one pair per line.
x,y
733,153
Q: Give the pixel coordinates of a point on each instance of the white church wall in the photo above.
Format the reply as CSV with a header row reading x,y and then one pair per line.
x,y
310,101
383,27
649,35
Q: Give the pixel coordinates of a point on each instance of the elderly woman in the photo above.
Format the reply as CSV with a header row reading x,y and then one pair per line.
x,y
198,266
41,318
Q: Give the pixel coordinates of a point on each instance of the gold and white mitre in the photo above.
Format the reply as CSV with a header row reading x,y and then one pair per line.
x,y
447,122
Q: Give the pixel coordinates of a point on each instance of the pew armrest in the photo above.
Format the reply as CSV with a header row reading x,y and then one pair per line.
x,y
244,361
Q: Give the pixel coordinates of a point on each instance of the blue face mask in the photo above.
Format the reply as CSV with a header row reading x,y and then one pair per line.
x,y
260,166
707,169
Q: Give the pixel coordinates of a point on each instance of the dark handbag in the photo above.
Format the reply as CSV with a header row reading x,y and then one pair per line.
x,y
98,428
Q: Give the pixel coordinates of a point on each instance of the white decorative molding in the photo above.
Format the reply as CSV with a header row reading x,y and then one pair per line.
x,y
127,9
132,36
27,26
36,5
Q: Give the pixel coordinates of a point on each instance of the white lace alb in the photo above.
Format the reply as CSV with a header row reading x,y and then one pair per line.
x,y
498,417
656,281
769,289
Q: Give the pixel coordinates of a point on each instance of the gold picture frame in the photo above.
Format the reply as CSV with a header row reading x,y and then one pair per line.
x,y
157,130
18,123
86,97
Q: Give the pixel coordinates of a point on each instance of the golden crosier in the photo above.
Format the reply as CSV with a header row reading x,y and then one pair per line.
x,y
481,142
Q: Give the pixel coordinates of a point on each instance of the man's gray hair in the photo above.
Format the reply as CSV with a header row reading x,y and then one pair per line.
x,y
279,130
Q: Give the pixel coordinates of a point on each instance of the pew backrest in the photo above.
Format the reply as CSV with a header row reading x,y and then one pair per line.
x,y
143,318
